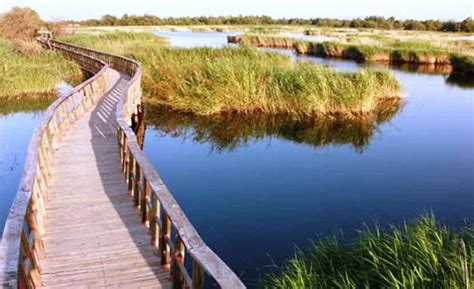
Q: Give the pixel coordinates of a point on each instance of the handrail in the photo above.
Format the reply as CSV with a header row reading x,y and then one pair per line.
x,y
159,210
158,207
22,247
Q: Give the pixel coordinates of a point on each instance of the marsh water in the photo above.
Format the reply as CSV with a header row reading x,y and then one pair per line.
x,y
255,188
18,120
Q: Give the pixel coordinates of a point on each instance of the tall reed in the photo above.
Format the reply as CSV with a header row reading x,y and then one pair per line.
x,y
208,81
419,254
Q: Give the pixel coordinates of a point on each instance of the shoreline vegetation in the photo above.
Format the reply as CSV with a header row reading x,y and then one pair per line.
x,y
29,73
400,53
419,254
33,76
210,81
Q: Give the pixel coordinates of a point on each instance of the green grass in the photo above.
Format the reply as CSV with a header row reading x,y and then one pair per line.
x,y
419,254
121,43
207,81
32,76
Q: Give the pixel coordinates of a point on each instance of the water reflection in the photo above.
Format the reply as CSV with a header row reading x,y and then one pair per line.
x,y
232,131
33,102
189,39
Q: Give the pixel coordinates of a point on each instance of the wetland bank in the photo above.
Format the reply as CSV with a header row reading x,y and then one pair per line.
x,y
270,171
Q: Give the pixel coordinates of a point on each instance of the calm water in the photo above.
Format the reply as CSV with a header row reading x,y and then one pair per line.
x,y
255,188
254,194
17,124
15,134
195,39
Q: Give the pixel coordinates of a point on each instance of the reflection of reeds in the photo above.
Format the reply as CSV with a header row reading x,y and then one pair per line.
x,y
419,254
460,80
229,131
31,102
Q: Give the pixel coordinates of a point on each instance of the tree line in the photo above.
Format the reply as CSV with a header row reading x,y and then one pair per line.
x,y
466,25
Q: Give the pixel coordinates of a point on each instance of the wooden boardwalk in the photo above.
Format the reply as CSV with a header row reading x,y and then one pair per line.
x,y
94,235
90,210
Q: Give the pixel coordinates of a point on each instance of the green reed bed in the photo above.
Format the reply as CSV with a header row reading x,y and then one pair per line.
x,y
414,52
207,81
33,75
419,254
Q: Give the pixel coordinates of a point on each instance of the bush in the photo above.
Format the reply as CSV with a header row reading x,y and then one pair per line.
x,y
20,24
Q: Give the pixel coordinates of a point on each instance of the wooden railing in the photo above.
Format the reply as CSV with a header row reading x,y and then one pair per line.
x,y
159,210
21,249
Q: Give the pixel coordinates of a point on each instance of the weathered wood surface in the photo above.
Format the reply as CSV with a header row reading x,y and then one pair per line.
x,y
94,235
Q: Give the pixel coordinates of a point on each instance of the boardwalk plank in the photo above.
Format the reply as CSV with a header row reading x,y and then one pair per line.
x,y
94,236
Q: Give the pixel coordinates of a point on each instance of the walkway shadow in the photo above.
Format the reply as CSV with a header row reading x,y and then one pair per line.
x,y
103,127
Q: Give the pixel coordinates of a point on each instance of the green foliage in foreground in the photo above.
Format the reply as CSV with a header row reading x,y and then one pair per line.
x,y
420,254
33,75
208,81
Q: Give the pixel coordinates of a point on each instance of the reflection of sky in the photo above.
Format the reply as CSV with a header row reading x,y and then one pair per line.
x,y
15,134
421,159
405,9
189,39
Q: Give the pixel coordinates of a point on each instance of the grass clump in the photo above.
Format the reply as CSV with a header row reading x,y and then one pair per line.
x,y
207,81
419,254
462,64
31,76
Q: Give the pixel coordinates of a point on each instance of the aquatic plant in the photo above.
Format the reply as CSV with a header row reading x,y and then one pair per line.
x,y
419,254
207,81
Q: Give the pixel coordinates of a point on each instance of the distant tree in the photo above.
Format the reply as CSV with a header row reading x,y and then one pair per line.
x,y
20,23
467,25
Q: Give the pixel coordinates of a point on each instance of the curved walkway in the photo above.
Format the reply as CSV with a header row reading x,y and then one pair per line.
x,y
94,236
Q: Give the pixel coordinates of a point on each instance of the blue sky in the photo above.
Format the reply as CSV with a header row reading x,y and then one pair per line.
x,y
84,9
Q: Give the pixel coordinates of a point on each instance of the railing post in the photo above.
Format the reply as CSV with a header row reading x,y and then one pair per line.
x,y
154,228
164,239
178,259
137,189
198,276
130,173
143,204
